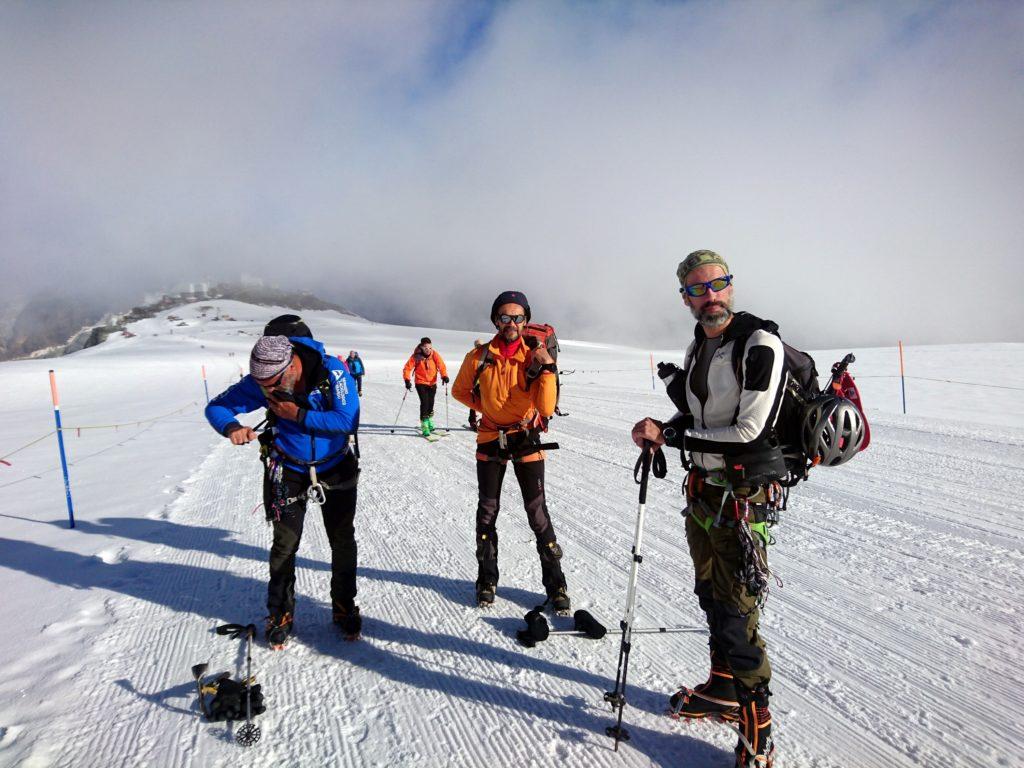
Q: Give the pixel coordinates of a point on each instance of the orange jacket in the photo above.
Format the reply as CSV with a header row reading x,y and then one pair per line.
x,y
427,368
503,401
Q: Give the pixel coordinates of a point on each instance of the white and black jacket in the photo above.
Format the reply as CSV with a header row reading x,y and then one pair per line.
x,y
734,419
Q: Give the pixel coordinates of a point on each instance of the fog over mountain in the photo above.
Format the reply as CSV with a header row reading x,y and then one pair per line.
x,y
861,166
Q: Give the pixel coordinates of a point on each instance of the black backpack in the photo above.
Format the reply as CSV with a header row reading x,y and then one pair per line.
x,y
801,387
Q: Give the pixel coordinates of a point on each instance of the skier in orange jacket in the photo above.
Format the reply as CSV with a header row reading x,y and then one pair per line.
x,y
427,364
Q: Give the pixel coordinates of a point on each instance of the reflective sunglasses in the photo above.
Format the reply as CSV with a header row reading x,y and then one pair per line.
x,y
506,319
699,289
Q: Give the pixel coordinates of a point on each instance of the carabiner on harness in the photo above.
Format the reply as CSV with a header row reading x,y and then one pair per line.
x,y
316,490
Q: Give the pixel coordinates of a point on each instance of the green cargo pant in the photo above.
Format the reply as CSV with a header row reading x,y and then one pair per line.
x,y
731,612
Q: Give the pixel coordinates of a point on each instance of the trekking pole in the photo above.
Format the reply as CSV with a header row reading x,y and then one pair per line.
x,y
447,419
617,697
397,415
249,733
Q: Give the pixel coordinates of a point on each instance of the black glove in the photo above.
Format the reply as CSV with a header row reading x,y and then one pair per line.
x,y
667,370
408,384
444,379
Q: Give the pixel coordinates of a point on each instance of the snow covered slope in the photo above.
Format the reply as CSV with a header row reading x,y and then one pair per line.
x,y
895,639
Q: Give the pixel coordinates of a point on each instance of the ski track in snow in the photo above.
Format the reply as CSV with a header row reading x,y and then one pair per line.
x,y
890,638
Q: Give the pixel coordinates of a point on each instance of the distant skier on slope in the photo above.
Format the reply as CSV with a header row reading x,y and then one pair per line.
x,y
514,388
357,369
427,364
312,408
726,417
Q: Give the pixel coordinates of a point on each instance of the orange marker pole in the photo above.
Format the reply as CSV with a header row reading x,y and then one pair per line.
x,y
60,445
903,381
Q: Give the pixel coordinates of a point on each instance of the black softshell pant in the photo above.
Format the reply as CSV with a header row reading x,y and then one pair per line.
x,y
338,514
426,393
530,475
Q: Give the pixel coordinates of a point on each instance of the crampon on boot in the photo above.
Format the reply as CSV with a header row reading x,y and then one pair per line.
x,y
349,621
559,602
715,697
278,630
755,748
485,594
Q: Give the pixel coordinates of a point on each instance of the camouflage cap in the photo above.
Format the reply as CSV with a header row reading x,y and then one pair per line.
x,y
699,259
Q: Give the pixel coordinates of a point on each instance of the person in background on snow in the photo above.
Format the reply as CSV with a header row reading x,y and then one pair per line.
x,y
427,364
724,414
513,390
357,369
311,409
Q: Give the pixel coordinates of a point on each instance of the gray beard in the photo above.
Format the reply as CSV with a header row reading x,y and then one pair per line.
x,y
713,322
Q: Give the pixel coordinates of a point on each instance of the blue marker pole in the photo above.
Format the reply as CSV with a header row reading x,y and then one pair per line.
x,y
206,389
60,444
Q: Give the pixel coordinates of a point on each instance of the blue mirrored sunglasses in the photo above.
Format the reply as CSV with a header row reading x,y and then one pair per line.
x,y
699,289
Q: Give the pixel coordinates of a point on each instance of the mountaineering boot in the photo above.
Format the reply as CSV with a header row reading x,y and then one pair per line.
x,y
485,594
487,565
560,602
430,423
425,428
552,576
278,630
349,621
755,748
715,697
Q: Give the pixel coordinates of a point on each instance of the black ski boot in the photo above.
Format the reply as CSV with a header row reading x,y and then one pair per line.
x,y
755,748
485,594
349,621
279,629
715,697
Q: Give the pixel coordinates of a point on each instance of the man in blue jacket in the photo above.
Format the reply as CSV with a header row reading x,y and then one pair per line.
x,y
311,409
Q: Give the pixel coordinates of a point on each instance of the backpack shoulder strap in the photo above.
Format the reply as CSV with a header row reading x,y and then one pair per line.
x,y
485,359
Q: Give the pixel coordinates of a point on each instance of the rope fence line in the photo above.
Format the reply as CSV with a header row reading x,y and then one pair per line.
x,y
943,381
79,429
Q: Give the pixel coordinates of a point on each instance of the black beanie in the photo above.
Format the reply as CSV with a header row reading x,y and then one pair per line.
x,y
510,297
287,325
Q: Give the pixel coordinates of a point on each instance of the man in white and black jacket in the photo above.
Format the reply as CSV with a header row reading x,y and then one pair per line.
x,y
728,397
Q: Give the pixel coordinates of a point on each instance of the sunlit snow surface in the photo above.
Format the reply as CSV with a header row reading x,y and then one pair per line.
x,y
896,639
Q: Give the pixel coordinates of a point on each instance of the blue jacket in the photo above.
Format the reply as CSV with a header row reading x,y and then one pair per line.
x,y
356,366
325,420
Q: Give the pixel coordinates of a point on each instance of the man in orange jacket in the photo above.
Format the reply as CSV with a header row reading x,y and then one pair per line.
x,y
427,364
514,388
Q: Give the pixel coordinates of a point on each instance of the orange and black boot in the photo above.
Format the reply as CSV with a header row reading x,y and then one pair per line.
x,y
278,630
715,697
755,748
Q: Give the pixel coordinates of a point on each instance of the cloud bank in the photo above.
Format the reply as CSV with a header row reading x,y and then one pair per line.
x,y
860,166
